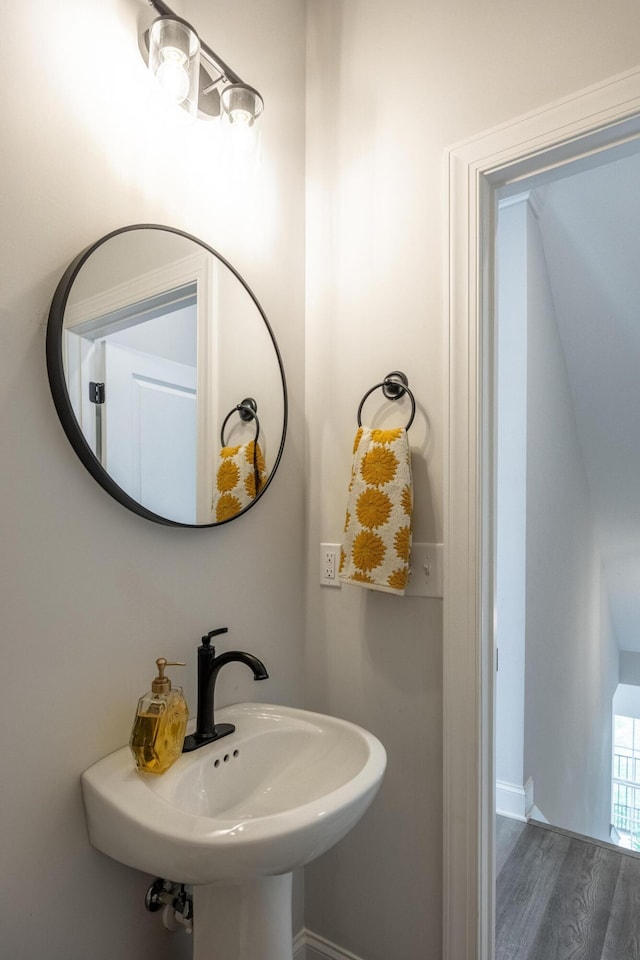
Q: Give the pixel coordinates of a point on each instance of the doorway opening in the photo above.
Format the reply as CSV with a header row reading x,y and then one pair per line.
x,y
495,166
566,501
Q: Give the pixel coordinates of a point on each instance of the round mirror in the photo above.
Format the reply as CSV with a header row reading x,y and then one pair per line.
x,y
167,377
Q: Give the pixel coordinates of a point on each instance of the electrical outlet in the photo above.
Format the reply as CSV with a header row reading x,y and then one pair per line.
x,y
330,564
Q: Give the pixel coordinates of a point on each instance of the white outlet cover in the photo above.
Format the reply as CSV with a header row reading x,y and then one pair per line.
x,y
330,561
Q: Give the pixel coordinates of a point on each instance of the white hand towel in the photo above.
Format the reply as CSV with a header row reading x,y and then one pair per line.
x,y
238,479
380,502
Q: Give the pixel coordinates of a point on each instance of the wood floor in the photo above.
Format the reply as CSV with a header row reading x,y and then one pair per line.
x,y
564,897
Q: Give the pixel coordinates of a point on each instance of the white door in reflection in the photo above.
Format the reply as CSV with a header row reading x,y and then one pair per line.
x,y
146,426
150,430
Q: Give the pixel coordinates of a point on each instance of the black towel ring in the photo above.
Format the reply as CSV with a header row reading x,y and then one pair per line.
x,y
247,409
394,386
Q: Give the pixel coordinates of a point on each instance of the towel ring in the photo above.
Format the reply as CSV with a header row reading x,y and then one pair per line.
x,y
394,386
247,410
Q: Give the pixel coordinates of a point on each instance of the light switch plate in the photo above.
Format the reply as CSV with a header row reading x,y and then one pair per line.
x,y
426,566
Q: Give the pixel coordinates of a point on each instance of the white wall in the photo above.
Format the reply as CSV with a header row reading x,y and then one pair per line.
x,y
391,86
571,651
629,667
90,594
626,700
511,498
571,655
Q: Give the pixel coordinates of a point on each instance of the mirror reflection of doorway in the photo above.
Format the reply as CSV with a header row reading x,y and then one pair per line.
x,y
135,372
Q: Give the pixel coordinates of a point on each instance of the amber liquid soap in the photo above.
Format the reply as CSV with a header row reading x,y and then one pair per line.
x,y
159,725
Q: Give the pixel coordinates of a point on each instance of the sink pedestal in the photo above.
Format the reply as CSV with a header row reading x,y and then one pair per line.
x,y
246,920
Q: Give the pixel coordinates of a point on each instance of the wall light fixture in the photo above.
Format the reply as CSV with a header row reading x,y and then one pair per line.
x,y
195,77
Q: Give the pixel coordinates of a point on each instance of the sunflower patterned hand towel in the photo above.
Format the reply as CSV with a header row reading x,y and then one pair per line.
x,y
378,522
239,478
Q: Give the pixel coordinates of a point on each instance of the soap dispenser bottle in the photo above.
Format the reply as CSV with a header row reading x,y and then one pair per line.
x,y
160,724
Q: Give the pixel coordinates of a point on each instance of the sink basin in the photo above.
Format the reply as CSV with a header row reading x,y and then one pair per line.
x,y
281,790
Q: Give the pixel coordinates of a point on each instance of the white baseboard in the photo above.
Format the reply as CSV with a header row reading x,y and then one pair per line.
x,y
516,802
309,946
511,800
299,945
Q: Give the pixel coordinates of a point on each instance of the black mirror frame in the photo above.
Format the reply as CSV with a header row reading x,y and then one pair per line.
x,y
60,394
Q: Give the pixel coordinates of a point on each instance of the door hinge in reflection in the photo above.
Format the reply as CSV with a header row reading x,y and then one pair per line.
x,y
96,392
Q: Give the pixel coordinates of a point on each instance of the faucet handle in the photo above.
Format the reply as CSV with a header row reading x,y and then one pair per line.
x,y
214,633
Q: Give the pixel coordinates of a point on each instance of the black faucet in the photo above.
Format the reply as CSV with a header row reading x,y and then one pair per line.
x,y
209,667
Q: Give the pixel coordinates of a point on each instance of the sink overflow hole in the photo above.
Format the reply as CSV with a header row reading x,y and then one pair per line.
x,y
226,758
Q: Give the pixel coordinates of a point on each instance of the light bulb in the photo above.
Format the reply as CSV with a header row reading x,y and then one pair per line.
x,y
241,105
240,118
171,74
174,62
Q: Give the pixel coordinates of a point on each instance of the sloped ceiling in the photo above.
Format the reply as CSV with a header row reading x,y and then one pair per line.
x,y
590,226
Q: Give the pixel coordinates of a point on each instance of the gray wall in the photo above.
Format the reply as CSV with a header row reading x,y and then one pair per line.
x,y
558,651
90,593
571,650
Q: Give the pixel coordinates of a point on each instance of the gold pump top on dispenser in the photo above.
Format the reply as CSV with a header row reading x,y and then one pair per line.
x,y
162,684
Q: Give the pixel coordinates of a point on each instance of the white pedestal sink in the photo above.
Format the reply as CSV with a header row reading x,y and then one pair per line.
x,y
235,817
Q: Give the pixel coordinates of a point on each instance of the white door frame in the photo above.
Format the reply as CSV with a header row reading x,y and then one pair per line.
x,y
603,116
199,268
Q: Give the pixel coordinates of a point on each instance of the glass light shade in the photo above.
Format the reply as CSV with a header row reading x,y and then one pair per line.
x,y
241,105
174,60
